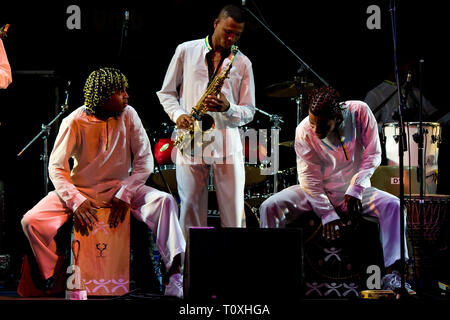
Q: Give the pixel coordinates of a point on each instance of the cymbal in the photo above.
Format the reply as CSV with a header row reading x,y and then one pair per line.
x,y
289,144
287,89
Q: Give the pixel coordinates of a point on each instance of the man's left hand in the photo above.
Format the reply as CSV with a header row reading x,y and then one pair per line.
x,y
119,209
217,103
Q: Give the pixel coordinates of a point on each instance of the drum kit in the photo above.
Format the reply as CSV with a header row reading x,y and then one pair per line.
x,y
258,186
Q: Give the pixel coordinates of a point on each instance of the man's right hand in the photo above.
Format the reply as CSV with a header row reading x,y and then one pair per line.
x,y
184,121
331,230
85,217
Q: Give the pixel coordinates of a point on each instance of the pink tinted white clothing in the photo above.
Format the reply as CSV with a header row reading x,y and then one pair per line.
x,y
5,68
102,169
326,176
102,157
185,83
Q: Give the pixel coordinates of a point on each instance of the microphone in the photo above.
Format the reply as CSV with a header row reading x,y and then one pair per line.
x,y
126,21
66,102
407,88
243,3
126,17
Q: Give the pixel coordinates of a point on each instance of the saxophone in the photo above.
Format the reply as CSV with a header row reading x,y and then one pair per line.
x,y
198,113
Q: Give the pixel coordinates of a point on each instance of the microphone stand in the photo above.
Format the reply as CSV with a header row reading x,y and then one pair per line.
x,y
302,63
124,32
402,147
45,132
418,138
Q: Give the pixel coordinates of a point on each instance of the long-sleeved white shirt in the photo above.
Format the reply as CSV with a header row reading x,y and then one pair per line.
x,y
186,81
5,68
102,152
324,173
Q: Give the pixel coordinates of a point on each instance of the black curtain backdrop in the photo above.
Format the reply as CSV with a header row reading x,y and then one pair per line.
x,y
330,36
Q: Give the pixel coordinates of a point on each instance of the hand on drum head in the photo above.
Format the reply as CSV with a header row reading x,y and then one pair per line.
x,y
119,209
84,217
332,230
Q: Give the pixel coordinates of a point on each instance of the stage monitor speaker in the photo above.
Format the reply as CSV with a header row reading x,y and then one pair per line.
x,y
387,178
244,265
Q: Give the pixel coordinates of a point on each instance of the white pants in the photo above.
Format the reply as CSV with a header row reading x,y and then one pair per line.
x,y
290,203
229,182
157,209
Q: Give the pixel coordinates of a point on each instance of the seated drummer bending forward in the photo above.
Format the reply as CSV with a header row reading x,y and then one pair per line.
x,y
106,140
338,149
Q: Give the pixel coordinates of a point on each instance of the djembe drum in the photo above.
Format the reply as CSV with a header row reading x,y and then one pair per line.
x,y
428,238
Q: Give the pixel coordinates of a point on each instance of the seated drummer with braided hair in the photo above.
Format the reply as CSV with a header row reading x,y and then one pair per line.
x,y
112,161
338,149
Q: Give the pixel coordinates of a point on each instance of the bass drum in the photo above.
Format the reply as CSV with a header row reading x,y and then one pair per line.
x,y
432,140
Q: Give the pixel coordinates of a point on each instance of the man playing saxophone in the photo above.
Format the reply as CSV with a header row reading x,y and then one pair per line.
x,y
193,67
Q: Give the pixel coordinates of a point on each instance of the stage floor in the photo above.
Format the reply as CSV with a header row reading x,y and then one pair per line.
x,y
173,308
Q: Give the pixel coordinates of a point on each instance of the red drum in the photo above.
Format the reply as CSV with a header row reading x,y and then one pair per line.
x,y
163,151
163,155
428,237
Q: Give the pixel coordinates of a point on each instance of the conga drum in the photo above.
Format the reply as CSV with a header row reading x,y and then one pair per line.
x,y
428,238
431,142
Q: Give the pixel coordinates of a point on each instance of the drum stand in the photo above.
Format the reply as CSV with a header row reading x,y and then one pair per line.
x,y
418,138
276,120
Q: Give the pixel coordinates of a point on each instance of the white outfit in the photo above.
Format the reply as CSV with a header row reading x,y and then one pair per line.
x,y
185,82
5,68
102,169
326,176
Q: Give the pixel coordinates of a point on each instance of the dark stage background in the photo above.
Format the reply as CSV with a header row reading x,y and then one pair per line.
x,y
330,36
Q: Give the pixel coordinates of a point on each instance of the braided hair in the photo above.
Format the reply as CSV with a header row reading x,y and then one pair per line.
x,y
324,101
101,85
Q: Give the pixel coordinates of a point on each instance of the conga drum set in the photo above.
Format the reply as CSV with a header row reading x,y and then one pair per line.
x,y
427,215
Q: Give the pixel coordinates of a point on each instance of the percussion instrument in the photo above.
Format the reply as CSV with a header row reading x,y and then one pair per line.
x,y
432,138
164,153
104,256
288,89
428,237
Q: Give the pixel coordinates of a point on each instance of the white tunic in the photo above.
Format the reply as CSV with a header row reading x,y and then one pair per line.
x,y
102,157
186,81
323,170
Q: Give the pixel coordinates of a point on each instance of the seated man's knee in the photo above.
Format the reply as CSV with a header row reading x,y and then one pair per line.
x,y
27,222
